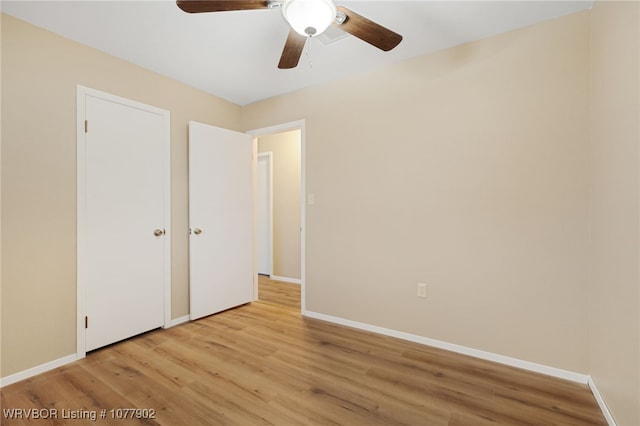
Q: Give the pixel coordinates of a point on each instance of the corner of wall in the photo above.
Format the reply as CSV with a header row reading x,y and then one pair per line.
x,y
614,232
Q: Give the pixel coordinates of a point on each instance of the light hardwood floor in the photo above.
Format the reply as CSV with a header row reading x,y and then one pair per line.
x,y
263,363
278,293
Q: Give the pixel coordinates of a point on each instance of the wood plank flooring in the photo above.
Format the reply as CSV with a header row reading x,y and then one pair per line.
x,y
278,293
264,364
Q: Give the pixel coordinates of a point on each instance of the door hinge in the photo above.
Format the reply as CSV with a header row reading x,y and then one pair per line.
x,y
86,322
86,126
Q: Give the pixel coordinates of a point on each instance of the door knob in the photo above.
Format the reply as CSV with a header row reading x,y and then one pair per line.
x,y
158,232
197,231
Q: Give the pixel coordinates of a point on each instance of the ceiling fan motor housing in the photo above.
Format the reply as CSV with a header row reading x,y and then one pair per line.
x,y
309,17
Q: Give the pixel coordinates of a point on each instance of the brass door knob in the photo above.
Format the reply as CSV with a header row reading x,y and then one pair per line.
x,y
197,231
158,232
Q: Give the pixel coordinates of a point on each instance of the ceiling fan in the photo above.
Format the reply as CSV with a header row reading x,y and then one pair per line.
x,y
307,18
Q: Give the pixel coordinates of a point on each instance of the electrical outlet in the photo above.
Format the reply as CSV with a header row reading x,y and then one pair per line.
x,y
422,290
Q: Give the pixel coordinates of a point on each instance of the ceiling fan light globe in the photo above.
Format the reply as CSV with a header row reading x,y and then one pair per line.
x,y
309,17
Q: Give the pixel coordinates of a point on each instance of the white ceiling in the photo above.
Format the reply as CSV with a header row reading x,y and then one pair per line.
x,y
234,55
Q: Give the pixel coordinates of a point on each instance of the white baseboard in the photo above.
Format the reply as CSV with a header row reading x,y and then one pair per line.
x,y
178,321
38,369
600,400
43,368
286,279
489,356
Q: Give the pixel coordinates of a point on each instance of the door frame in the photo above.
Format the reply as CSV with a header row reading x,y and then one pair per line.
x,y
269,157
82,93
270,130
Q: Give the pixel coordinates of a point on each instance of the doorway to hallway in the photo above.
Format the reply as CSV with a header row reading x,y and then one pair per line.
x,y
279,207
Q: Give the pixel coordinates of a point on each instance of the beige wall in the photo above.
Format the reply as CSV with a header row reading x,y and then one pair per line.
x,y
0,194
40,72
286,201
470,169
614,290
467,170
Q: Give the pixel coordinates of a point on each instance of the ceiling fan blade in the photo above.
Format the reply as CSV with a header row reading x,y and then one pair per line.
x,y
367,30
199,6
292,50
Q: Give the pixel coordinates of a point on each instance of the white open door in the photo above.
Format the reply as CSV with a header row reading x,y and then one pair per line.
x,y
265,213
220,218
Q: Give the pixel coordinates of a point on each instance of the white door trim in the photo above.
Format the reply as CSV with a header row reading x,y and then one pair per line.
x,y
269,156
281,128
81,185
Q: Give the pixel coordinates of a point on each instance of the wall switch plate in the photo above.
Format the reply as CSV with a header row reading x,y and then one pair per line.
x,y
311,199
422,290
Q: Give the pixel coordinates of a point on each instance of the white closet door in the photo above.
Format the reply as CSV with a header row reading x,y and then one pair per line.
x,y
125,148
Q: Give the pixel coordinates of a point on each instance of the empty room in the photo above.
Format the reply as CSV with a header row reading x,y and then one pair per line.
x,y
256,212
